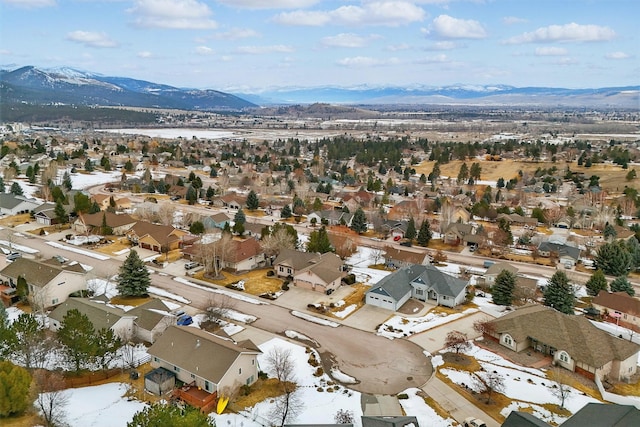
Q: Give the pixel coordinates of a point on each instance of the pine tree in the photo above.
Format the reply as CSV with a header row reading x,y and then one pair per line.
x,y
319,242
161,414
66,181
76,334
411,229
2,186
192,195
88,165
60,213
359,221
253,202
285,213
621,284
424,235
133,279
613,259
503,288
559,293
95,208
596,283
15,385
16,189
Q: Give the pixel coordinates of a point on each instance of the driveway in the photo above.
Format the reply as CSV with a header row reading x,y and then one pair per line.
x,y
433,339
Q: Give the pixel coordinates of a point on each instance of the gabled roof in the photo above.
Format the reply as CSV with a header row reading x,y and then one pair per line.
x,y
604,415
295,259
460,229
396,421
574,334
113,220
404,255
160,233
499,266
523,419
399,283
243,249
220,217
198,351
103,316
562,249
619,301
149,314
35,273
10,201
442,283
327,267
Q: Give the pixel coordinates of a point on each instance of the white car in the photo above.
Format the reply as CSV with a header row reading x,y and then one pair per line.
x,y
473,422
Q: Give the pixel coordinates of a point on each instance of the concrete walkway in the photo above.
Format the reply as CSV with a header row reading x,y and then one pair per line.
x,y
454,403
377,405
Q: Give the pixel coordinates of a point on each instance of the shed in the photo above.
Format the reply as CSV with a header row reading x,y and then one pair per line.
x,y
159,381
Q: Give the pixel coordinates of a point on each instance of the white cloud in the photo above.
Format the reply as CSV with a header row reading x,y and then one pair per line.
x,y
145,54
443,45
398,47
384,13
347,40
30,4
257,50
511,20
551,51
269,4
366,61
204,50
435,59
91,39
172,14
236,34
452,28
617,55
565,33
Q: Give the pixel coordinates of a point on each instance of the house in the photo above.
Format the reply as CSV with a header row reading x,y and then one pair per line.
x,y
619,307
155,237
317,272
243,255
395,228
101,315
11,204
93,223
331,217
196,357
389,421
567,255
48,285
459,233
104,201
517,219
398,257
572,341
422,282
604,415
233,201
151,319
45,214
492,272
219,220
523,419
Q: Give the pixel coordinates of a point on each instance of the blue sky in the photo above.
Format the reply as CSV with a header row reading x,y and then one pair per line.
x,y
253,44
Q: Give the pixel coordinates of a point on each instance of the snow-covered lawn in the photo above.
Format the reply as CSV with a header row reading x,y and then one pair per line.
x,y
526,387
400,326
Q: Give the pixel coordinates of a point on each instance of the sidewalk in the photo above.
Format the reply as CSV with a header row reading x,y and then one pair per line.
x,y
455,404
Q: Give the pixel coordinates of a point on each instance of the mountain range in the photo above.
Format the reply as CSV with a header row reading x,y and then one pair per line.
x,y
64,85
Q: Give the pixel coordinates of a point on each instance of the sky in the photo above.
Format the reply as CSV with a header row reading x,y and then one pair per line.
x,y
249,45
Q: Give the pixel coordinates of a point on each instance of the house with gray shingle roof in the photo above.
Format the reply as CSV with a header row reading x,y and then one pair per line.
x,y
151,320
14,205
212,363
101,315
422,282
317,272
567,255
48,285
572,341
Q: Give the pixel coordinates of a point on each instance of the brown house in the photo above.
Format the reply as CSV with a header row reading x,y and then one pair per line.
x,y
399,257
619,307
93,223
155,237
317,272
244,255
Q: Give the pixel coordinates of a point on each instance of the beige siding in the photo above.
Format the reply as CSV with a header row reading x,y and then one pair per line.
x,y
244,370
57,291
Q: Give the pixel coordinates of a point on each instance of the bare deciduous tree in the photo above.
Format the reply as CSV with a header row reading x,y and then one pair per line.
x,y
483,326
561,389
344,416
457,341
213,255
376,255
276,242
287,406
489,382
218,307
166,211
52,397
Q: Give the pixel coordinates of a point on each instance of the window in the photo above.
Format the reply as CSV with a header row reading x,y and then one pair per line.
x,y
419,292
564,357
253,361
239,371
155,359
175,368
193,375
507,340
54,301
250,380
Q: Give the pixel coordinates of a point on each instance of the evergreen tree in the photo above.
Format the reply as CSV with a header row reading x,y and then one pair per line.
x,y
359,221
15,387
192,195
81,203
161,415
133,279
60,213
210,193
503,288
94,208
240,217
88,165
609,232
196,227
411,229
285,213
559,293
106,345
613,259
319,242
105,230
16,189
66,181
2,186
76,334
596,283
633,247
424,235
621,284
253,202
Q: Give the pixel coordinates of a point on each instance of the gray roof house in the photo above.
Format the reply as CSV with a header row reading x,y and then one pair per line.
x,y
218,220
317,272
422,282
101,315
214,364
15,205
568,255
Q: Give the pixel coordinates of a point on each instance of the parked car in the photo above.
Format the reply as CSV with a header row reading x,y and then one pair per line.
x,y
191,264
473,422
329,291
397,238
184,320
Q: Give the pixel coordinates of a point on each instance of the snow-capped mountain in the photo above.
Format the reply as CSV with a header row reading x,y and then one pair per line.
x,y
69,86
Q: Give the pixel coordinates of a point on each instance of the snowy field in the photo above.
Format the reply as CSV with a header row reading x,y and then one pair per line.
x,y
173,133
400,326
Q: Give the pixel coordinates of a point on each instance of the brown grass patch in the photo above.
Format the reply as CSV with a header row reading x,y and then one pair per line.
x,y
119,243
27,420
258,392
625,389
440,245
134,301
13,220
256,282
356,297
